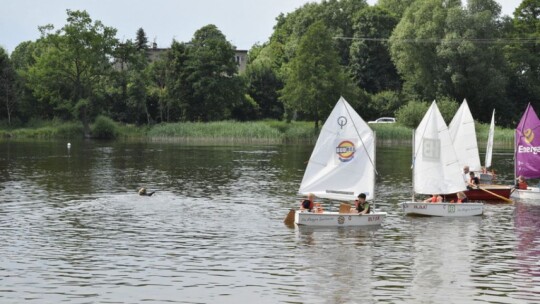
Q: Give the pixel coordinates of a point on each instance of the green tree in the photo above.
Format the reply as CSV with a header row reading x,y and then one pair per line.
x,y
8,98
124,58
523,58
411,114
437,48
212,75
72,71
370,63
22,58
413,47
141,41
315,79
179,88
396,7
384,103
158,86
263,85
471,69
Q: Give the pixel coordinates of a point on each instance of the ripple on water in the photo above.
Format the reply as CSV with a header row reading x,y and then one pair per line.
x,y
213,233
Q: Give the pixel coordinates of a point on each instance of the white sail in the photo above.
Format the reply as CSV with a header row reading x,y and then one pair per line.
x,y
489,148
463,134
341,165
436,169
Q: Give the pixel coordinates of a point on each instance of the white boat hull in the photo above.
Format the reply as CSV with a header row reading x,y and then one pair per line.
x,y
336,219
443,209
530,193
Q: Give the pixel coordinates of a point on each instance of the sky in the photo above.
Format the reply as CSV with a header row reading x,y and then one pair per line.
x,y
243,22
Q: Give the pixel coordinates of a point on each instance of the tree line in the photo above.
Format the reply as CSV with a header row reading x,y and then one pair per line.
x,y
389,59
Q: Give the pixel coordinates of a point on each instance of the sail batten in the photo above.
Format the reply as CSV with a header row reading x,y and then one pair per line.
x,y
341,164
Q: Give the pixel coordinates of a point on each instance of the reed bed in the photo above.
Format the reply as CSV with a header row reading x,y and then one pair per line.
x,y
392,133
216,130
53,130
503,137
265,131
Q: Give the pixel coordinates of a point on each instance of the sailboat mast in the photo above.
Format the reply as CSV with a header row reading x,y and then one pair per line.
x,y
412,166
375,160
515,155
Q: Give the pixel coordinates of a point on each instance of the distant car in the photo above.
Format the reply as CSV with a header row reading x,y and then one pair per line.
x,y
383,120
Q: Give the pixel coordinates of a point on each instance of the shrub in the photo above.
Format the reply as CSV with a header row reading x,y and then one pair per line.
x,y
385,103
412,113
448,108
70,130
104,128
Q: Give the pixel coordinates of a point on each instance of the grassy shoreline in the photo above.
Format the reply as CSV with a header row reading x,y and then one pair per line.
x,y
266,131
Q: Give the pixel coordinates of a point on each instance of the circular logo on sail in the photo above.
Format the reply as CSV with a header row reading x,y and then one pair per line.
x,y
529,136
342,121
345,151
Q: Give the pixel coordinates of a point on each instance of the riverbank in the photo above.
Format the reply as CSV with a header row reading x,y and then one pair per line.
x,y
267,131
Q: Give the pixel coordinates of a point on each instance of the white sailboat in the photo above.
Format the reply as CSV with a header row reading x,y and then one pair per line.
x,y
341,166
436,169
486,178
463,134
527,153
489,147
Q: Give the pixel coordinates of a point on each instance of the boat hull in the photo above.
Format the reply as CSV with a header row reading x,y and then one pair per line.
x,y
529,193
336,219
481,195
443,209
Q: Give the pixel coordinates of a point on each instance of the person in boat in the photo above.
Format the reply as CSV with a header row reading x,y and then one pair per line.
x,y
435,198
142,192
461,197
521,183
362,206
466,174
473,181
308,203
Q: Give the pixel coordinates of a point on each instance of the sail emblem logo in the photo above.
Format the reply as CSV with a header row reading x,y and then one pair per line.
x,y
431,149
342,121
345,151
529,136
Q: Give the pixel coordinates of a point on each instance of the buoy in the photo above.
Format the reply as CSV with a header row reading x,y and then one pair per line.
x,y
69,145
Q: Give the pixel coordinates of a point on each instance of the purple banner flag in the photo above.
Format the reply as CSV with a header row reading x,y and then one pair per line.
x,y
528,145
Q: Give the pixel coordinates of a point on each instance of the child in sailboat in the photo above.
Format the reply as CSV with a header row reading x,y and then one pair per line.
x,y
521,183
461,197
308,203
362,207
473,181
435,198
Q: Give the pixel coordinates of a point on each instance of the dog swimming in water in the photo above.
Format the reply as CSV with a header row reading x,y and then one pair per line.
x,y
142,192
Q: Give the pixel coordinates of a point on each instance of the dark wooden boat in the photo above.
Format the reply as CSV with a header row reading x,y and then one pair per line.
x,y
483,195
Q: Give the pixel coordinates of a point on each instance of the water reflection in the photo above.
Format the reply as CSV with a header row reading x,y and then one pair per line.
x,y
76,231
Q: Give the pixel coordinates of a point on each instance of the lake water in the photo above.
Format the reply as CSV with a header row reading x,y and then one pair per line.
x,y
74,230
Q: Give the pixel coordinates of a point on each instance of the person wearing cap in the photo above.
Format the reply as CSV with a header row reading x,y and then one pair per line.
x,y
362,207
